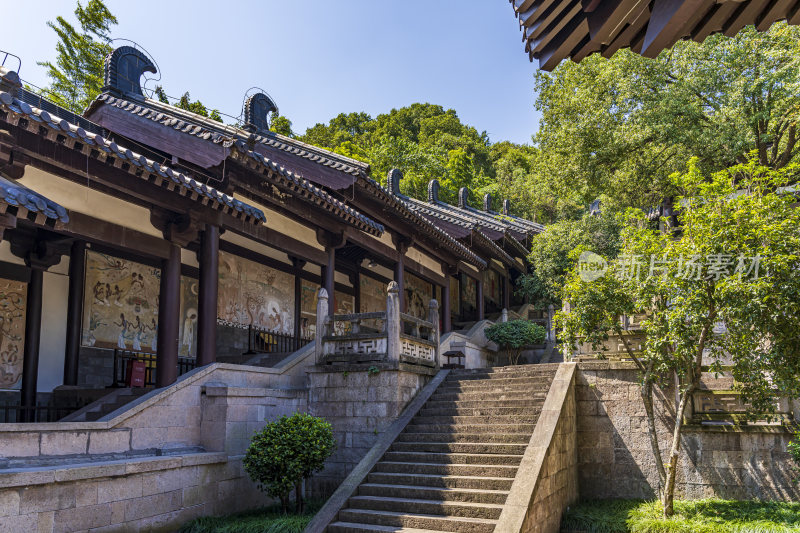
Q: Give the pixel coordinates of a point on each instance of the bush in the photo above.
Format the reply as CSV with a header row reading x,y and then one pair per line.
x,y
287,451
514,335
265,520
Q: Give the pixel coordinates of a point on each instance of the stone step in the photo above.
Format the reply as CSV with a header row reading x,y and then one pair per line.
x,y
538,375
484,396
427,507
460,447
440,469
532,410
349,527
534,381
516,438
502,389
483,404
527,418
470,428
439,481
453,458
434,493
421,521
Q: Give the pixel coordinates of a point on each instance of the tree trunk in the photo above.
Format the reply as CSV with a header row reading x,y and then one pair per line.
x,y
285,503
675,450
298,496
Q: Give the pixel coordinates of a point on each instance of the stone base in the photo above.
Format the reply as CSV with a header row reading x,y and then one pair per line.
x,y
360,404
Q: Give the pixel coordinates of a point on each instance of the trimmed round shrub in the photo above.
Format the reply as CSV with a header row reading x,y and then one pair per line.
x,y
514,335
287,451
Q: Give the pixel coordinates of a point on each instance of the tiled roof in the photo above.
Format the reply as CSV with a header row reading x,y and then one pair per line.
x,y
96,145
238,140
501,254
403,206
204,128
25,202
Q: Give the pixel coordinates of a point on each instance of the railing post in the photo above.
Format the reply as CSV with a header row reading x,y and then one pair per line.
x,y
322,324
433,317
393,322
504,315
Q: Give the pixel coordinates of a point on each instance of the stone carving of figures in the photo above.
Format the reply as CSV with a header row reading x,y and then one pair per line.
x,y
154,341
137,333
188,330
124,325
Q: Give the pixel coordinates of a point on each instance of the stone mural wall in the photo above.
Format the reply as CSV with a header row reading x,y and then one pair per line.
x,y
13,299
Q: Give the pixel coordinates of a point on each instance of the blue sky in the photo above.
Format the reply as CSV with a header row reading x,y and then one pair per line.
x,y
318,58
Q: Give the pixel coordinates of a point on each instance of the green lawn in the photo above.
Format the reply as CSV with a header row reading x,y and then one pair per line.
x,y
694,516
265,520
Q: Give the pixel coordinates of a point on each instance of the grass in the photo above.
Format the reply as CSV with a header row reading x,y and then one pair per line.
x,y
264,520
691,516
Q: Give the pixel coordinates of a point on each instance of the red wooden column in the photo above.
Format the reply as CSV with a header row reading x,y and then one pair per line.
x,y
329,281
507,291
207,304
479,297
446,320
77,270
168,311
401,244
33,331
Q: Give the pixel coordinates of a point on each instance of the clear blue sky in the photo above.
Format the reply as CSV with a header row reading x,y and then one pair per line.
x,y
318,58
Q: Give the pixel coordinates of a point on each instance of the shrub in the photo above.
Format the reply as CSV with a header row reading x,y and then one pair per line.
x,y
287,451
514,335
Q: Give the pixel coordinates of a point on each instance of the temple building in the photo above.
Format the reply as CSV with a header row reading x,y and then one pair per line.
x,y
143,233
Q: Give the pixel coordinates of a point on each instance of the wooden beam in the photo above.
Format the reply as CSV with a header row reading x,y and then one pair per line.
x,y
667,19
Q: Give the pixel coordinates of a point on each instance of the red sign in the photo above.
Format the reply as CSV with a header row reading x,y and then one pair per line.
x,y
135,374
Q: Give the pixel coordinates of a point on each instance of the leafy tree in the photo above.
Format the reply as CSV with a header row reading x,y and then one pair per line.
x,y
282,125
732,263
794,451
513,336
76,76
287,451
554,253
618,128
459,170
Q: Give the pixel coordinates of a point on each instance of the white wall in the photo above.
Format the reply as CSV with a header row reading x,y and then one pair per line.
x,y
53,338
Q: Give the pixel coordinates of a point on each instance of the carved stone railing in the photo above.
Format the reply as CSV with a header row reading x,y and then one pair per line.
x,y
726,407
402,338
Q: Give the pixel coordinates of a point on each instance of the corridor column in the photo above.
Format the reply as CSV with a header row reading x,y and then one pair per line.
x,y
33,330
207,304
446,325
507,291
168,310
330,278
479,298
401,244
77,270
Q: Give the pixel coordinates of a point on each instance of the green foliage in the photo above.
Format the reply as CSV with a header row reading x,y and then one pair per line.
x,y
282,125
417,139
197,107
555,252
266,520
740,216
76,76
373,370
701,516
794,450
513,336
618,128
286,451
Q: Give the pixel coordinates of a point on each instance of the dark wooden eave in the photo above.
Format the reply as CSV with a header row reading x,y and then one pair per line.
x,y
554,30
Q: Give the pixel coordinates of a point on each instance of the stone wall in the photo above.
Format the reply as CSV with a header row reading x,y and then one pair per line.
x,y
616,460
149,494
359,405
547,479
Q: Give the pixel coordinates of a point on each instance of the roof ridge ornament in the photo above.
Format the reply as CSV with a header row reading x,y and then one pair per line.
x,y
433,191
463,197
393,181
506,207
487,202
124,68
257,108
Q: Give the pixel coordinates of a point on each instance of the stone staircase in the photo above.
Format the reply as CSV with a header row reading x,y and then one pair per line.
x,y
452,467
106,405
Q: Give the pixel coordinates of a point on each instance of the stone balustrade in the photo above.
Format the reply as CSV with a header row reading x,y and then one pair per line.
x,y
400,337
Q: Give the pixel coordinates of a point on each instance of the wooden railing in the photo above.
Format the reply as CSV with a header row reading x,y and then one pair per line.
x,y
399,338
122,358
